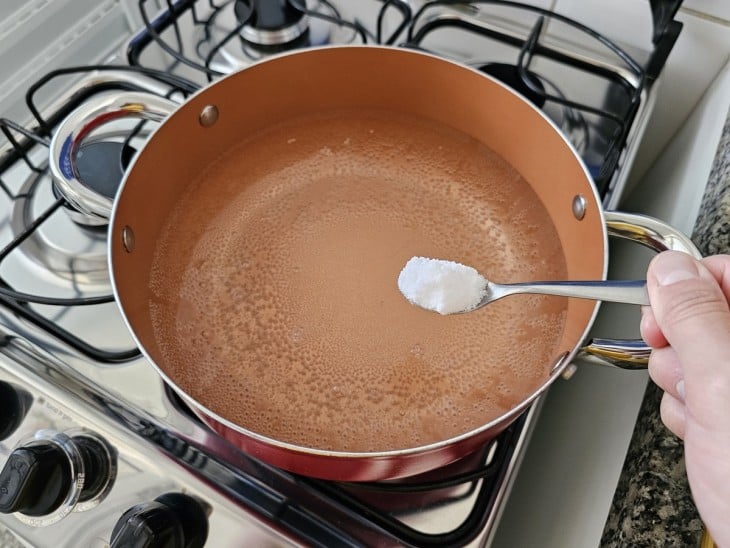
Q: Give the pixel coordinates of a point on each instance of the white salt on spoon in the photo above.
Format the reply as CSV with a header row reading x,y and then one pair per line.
x,y
447,287
443,286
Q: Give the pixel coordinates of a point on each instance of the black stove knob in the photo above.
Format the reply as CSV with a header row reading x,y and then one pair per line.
x,y
172,520
99,466
54,470
14,404
35,480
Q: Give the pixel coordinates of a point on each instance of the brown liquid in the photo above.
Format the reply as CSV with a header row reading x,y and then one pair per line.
x,y
279,268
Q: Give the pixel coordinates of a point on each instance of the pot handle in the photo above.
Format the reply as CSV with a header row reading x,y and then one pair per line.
x,y
93,113
659,236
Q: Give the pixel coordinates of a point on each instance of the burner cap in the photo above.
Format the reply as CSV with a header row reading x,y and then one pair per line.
x,y
101,166
270,23
509,75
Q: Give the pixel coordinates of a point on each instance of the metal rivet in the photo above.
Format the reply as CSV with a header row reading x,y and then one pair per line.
x,y
208,116
569,371
128,239
579,207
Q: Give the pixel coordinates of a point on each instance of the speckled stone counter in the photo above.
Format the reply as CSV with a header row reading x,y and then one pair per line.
x,y
652,505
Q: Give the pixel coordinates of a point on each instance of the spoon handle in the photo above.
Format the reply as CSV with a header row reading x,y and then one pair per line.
x,y
617,291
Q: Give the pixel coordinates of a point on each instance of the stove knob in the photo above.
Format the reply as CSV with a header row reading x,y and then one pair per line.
x,y
35,480
54,474
172,520
14,404
99,467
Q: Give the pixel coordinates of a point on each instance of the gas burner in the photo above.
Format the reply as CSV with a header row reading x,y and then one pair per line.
x,y
101,166
60,249
59,245
530,86
92,146
532,55
272,24
244,31
229,35
536,88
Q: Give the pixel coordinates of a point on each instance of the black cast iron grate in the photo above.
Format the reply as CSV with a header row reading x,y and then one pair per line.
x,y
627,78
182,13
483,480
372,508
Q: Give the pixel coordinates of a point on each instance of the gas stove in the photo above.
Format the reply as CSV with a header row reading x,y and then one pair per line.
x,y
95,450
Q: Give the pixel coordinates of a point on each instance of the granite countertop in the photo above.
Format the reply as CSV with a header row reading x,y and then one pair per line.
x,y
652,505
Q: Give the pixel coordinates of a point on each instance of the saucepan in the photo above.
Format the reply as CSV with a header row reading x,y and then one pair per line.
x,y
256,241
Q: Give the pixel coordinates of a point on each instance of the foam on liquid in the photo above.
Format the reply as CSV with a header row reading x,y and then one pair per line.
x,y
276,302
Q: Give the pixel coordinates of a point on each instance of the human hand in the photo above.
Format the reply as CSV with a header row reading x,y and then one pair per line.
x,y
688,328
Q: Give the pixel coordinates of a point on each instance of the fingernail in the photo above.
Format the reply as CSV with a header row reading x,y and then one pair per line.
x,y
680,389
674,266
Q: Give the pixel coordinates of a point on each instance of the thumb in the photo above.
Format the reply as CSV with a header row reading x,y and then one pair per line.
x,y
693,314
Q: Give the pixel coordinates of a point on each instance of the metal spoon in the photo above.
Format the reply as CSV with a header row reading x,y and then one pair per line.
x,y
448,287
617,291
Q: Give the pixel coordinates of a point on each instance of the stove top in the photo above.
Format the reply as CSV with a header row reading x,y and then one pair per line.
x,y
81,405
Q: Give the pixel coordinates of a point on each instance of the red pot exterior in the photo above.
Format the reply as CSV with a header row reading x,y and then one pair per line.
x,y
343,467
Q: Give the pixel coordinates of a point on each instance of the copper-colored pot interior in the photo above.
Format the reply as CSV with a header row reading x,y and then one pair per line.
x,y
325,172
